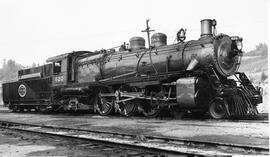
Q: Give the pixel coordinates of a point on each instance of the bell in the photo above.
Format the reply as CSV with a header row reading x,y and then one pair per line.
x,y
181,35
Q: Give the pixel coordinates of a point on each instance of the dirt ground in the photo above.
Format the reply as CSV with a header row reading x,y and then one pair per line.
x,y
253,133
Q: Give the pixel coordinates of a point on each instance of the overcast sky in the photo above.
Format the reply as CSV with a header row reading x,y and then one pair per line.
x,y
33,30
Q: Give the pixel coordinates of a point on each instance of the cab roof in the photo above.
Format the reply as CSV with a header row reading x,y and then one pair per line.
x,y
62,56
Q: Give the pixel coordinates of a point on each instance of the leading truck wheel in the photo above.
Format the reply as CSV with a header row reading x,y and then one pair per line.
x,y
217,108
178,113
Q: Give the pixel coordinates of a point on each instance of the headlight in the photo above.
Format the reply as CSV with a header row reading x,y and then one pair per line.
x,y
260,90
239,45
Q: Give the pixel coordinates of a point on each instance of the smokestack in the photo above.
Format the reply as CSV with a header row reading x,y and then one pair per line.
x,y
208,28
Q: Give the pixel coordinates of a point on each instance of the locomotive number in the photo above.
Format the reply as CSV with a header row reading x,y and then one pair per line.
x,y
59,79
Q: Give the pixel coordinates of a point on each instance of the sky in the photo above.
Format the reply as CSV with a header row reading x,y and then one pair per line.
x,y
33,30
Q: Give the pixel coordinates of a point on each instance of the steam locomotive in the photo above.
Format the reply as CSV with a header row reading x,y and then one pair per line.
x,y
197,76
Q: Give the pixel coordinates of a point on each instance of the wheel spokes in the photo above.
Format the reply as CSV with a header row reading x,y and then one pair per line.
x,y
150,110
105,105
127,108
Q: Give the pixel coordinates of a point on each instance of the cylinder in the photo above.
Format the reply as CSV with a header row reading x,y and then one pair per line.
x,y
206,28
158,39
137,43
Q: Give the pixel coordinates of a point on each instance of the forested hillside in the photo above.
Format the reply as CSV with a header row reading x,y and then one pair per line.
x,y
255,65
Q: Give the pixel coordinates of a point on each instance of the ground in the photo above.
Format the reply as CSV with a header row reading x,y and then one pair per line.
x,y
244,132
253,133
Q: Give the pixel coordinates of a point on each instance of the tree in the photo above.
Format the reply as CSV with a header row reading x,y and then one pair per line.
x,y
263,77
260,50
9,71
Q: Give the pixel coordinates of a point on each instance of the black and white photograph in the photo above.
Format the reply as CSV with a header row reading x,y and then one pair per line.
x,y
134,78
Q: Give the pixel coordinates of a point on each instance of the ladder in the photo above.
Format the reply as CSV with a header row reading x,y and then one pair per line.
x,y
246,83
213,78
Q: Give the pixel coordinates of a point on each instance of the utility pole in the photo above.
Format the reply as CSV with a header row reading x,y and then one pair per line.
x,y
148,31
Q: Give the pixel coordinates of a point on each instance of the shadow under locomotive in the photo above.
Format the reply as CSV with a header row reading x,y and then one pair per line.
x,y
197,76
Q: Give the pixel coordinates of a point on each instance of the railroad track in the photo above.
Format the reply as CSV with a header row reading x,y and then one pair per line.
x,y
163,145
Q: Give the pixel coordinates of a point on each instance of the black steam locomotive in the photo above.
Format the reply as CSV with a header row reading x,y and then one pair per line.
x,y
198,76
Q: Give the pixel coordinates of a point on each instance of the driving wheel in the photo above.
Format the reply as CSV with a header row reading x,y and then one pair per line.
x,y
127,108
104,105
150,110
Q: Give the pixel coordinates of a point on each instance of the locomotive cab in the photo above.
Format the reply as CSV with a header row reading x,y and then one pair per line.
x,y
60,69
63,68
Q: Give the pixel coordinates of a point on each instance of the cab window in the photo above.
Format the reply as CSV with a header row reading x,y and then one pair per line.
x,y
57,67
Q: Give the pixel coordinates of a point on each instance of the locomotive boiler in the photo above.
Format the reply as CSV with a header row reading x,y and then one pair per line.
x,y
198,76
